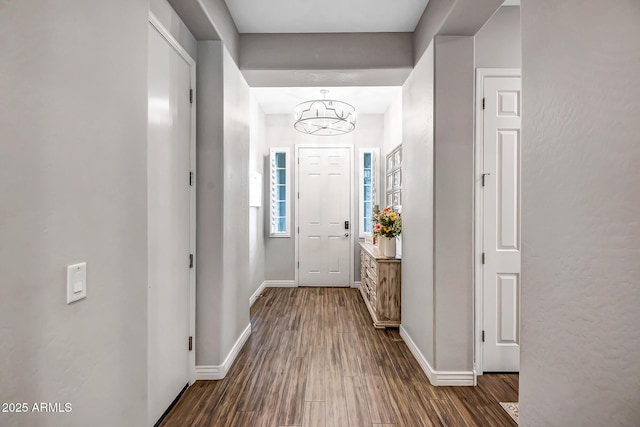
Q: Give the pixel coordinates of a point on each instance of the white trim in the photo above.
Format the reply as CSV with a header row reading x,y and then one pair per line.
x,y
351,214
481,74
422,361
280,284
153,20
356,284
437,378
218,372
257,293
157,25
272,176
375,155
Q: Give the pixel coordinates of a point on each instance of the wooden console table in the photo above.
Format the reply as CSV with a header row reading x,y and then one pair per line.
x,y
380,286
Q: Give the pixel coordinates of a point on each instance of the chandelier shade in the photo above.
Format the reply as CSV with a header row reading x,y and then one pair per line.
x,y
325,117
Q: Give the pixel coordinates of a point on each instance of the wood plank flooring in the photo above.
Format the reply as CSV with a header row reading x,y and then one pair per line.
x,y
315,360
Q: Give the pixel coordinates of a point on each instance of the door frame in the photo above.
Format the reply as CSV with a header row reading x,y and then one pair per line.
x,y
481,74
297,211
158,26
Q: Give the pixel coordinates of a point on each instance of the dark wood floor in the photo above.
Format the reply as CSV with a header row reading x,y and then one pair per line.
x,y
314,359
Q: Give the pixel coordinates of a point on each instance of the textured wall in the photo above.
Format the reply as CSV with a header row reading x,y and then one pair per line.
x,y
258,152
73,187
235,294
498,43
581,204
392,128
223,281
210,193
347,51
417,205
453,207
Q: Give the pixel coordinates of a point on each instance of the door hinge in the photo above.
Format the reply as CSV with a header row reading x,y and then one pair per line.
x,y
298,264
483,257
190,260
298,194
482,336
190,179
190,343
298,230
190,96
483,103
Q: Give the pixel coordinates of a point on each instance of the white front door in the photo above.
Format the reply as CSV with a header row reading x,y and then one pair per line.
x,y
168,204
501,224
324,215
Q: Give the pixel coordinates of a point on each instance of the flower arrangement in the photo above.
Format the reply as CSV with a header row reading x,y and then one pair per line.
x,y
387,223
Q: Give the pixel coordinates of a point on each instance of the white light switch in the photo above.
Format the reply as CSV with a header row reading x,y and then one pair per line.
x,y
76,282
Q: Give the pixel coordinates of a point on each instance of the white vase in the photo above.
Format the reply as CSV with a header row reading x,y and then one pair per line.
x,y
388,246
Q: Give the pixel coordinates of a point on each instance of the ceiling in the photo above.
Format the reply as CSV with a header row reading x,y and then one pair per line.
x,y
327,16
366,99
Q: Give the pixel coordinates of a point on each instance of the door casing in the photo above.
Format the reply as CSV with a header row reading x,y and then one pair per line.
x,y
351,219
481,74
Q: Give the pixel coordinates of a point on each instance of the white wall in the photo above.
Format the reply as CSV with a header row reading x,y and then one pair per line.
x,y
73,183
369,133
498,43
440,321
210,196
236,286
329,59
223,279
258,151
392,130
581,204
453,210
451,17
417,204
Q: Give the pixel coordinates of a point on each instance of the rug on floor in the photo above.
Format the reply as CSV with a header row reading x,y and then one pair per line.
x,y
512,409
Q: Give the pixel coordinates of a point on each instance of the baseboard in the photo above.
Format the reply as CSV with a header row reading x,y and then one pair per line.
x,y
257,293
209,372
218,372
437,378
422,361
280,284
356,284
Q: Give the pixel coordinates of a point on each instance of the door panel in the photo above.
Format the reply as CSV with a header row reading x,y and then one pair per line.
x,y
501,224
169,231
508,302
507,178
324,186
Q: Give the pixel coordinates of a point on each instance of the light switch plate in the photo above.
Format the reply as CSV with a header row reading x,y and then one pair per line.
x,y
76,282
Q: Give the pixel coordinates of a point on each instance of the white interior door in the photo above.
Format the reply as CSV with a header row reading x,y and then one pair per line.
x,y
324,209
501,224
169,160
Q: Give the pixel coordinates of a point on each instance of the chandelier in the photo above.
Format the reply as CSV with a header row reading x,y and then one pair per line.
x,y
325,117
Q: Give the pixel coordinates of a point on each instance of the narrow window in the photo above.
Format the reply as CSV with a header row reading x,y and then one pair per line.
x,y
367,189
280,205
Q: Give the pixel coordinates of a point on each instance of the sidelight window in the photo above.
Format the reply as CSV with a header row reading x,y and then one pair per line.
x,y
367,188
280,185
